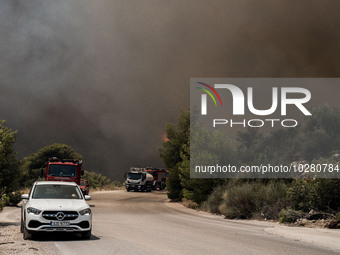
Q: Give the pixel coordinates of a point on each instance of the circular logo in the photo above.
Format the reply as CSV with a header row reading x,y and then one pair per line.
x,y
60,216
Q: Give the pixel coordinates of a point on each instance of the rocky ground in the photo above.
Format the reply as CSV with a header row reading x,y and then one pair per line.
x,y
11,241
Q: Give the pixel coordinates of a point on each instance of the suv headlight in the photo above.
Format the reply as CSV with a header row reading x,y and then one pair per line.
x,y
33,210
86,211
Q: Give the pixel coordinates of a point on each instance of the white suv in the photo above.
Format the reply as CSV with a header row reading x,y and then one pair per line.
x,y
55,206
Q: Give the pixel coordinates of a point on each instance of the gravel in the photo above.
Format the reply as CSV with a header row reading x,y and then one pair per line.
x,y
11,241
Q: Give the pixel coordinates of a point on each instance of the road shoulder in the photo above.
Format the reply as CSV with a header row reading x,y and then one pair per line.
x,y
11,240
328,238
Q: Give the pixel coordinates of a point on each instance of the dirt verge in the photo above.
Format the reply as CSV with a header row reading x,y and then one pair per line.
x,y
308,233
11,241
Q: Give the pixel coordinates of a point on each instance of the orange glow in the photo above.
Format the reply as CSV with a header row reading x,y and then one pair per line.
x,y
165,138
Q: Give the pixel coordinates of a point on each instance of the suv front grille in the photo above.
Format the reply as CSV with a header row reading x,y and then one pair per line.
x,y
52,215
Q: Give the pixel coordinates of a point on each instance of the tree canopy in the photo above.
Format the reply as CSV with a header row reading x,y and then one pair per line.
x,y
9,173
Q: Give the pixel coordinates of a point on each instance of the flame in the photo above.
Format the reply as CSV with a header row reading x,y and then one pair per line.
x,y
165,138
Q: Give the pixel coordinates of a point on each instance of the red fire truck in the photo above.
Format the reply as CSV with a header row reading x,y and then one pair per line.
x,y
159,177
67,170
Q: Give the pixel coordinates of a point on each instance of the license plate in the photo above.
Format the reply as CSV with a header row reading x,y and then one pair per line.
x,y
132,186
59,223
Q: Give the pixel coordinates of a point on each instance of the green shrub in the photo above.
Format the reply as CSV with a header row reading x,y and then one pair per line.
x,y
246,199
174,186
337,216
239,201
327,197
215,199
289,215
273,196
271,211
3,201
14,198
98,181
189,204
301,195
316,194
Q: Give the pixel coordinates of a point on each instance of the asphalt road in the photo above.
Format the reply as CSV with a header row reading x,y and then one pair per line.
x,y
145,223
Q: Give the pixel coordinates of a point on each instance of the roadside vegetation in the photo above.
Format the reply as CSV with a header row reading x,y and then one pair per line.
x,y
101,182
317,140
19,175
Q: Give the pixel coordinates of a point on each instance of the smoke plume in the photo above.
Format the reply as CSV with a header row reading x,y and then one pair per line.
x,y
105,76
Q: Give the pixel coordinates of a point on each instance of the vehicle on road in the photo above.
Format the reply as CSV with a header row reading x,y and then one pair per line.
x,y
67,170
84,186
159,177
55,207
138,179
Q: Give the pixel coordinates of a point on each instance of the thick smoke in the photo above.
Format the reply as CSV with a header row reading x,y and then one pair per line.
x,y
105,76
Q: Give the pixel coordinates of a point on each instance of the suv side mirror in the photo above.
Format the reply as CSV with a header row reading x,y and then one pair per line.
x,y
87,197
24,196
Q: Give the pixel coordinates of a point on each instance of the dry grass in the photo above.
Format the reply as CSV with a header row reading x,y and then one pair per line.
x,y
24,190
189,204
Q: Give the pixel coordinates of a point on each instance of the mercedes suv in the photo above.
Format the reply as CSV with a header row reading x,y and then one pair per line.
x,y
55,206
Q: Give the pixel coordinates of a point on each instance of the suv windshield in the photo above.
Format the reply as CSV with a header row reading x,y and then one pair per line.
x,y
62,170
56,192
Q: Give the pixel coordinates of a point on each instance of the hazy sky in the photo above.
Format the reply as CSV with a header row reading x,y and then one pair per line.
x,y
105,76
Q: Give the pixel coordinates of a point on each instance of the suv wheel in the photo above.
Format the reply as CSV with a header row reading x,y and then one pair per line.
x,y
22,226
21,223
26,234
